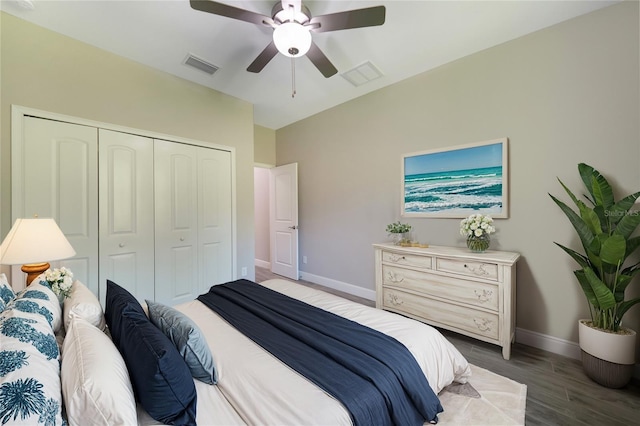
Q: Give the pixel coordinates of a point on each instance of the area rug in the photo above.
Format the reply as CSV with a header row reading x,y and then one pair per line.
x,y
501,401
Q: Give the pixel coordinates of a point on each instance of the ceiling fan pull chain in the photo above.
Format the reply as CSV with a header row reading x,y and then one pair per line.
x,y
293,77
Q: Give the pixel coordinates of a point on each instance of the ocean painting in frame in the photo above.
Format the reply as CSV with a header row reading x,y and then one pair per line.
x,y
456,182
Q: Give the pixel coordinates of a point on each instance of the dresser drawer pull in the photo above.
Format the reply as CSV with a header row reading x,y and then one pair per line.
x,y
395,258
394,299
483,324
483,295
394,278
480,270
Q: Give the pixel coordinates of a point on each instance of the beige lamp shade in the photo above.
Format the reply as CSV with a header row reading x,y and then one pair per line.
x,y
35,242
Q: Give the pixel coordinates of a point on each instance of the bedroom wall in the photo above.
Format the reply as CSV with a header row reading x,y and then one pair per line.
x,y
264,145
48,71
563,95
264,154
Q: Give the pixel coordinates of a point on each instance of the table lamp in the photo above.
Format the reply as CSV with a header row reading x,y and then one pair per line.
x,y
33,243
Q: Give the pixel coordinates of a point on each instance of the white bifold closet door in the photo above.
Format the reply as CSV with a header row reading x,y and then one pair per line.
x,y
152,215
126,213
193,220
56,175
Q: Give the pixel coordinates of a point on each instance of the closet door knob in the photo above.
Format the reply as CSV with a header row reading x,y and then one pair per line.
x,y
121,245
181,238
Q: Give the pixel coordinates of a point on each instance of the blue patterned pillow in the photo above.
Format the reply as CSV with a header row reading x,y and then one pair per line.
x,y
39,299
187,338
161,380
29,370
6,292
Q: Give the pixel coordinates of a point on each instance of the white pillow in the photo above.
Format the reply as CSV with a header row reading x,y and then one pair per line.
x,y
85,304
95,381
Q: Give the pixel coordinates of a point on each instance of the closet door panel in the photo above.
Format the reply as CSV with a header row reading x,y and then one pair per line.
x,y
126,213
56,176
214,230
176,225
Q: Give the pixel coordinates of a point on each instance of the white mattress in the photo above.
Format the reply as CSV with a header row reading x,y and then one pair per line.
x,y
257,388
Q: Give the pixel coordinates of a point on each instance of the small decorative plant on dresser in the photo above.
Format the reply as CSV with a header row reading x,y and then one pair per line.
x,y
450,287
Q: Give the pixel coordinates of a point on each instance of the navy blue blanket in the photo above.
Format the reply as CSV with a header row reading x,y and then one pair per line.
x,y
374,376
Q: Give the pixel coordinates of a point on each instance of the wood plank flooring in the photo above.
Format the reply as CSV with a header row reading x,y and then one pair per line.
x,y
558,391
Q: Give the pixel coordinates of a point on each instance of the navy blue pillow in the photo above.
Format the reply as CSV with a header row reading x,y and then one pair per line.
x,y
161,380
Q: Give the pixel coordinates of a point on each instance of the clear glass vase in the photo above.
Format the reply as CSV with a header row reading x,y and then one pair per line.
x,y
398,237
478,244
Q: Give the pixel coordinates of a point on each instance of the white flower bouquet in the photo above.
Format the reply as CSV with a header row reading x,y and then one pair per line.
x,y
60,280
477,225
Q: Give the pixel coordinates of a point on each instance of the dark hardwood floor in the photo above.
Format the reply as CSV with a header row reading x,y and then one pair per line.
x,y
558,391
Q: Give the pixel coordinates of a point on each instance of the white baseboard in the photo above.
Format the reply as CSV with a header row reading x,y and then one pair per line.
x,y
262,263
339,285
548,343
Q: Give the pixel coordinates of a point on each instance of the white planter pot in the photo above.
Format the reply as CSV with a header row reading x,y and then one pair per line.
x,y
616,348
607,358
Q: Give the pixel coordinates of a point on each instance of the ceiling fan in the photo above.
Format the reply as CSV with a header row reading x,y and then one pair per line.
x,y
292,25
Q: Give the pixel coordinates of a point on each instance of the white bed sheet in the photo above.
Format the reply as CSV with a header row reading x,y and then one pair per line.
x,y
265,391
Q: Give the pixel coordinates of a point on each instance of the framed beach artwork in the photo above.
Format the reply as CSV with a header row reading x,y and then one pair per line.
x,y
456,182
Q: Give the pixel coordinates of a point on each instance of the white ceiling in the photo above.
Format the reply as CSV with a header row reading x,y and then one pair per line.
x,y
417,36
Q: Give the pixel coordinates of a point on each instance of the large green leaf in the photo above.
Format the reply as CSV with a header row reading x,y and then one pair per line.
x,y
586,172
624,306
599,187
613,250
592,220
621,285
585,234
605,297
568,191
621,208
632,245
628,224
586,288
582,260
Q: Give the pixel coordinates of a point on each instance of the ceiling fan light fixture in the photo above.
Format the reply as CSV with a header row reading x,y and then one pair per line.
x,y
292,39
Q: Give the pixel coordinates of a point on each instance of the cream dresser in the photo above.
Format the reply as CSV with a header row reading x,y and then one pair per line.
x,y
450,287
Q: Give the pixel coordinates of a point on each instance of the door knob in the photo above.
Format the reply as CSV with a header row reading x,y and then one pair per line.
x,y
293,227
121,245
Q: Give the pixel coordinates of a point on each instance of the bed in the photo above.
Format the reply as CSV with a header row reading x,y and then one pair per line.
x,y
251,385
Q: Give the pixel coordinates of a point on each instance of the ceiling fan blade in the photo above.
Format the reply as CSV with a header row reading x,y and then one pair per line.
x,y
263,58
230,11
321,62
358,18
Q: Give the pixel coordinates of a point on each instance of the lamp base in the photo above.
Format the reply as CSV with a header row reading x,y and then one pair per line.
x,y
33,270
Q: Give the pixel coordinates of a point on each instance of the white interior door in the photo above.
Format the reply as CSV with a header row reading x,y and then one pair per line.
x,y
283,206
126,213
55,174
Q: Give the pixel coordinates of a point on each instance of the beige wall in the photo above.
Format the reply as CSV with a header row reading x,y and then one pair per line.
x,y
564,95
264,149
262,225
45,70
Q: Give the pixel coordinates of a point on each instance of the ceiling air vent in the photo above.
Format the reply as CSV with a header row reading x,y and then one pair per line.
x,y
362,74
201,64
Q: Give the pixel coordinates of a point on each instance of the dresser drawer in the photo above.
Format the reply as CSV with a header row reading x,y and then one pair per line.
x,y
470,268
402,259
479,294
463,318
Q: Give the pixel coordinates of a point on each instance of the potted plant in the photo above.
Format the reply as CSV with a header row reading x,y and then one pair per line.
x,y
398,232
605,229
